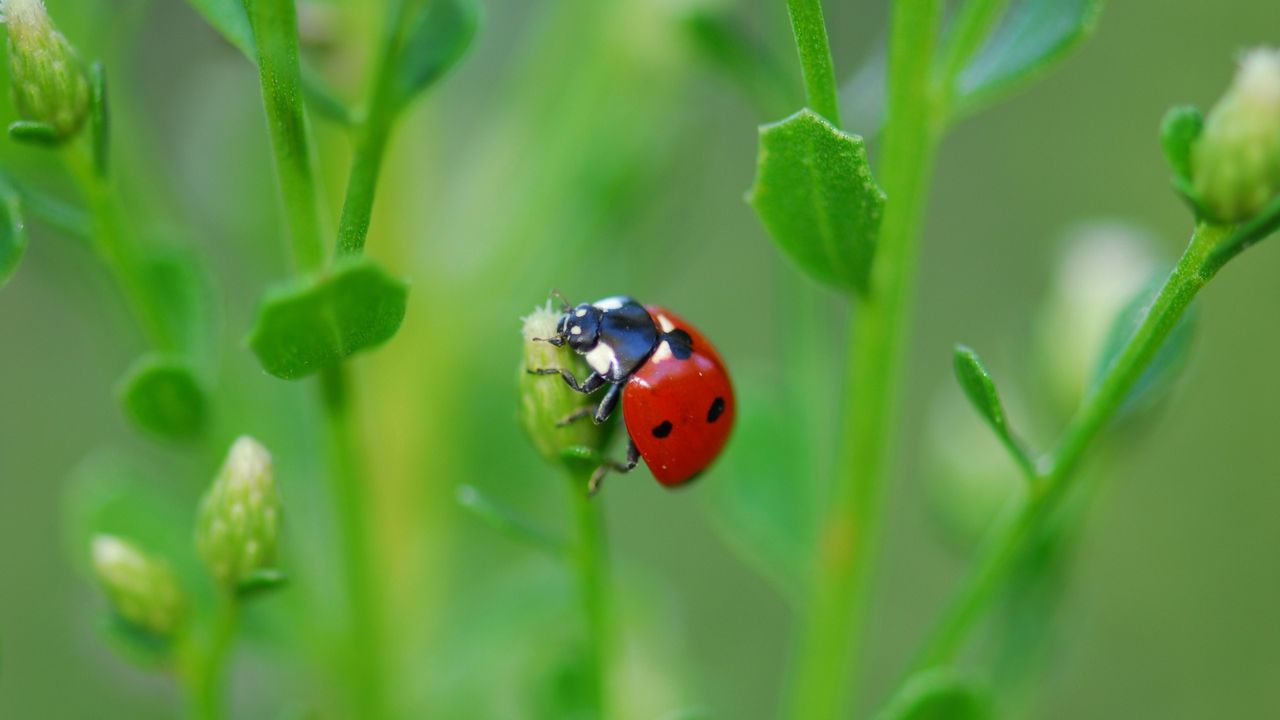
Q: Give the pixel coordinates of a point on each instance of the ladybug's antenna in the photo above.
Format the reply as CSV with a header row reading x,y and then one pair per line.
x,y
564,302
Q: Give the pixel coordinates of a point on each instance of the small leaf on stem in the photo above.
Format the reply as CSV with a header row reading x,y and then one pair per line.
x,y
816,196
99,118
1033,35
161,395
13,234
312,323
35,133
981,390
1179,129
432,43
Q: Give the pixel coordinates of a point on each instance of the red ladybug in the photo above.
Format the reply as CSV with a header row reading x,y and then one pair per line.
x,y
677,399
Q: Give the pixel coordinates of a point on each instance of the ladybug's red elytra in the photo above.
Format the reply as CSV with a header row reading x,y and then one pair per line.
x,y
677,399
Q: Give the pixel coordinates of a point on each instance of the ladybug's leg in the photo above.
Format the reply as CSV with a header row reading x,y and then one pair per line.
x,y
633,459
576,415
608,404
588,386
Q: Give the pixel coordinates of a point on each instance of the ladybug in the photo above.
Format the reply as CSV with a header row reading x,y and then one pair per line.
x,y
677,399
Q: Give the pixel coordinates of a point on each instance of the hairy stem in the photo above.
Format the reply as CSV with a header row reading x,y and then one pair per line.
x,y
833,611
589,561
1027,515
815,57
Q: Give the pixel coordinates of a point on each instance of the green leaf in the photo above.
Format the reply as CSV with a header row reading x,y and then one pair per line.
x,y
317,321
161,395
1157,379
432,43
231,21
816,196
938,694
981,391
1033,35
174,281
13,234
1179,129
261,582
35,133
99,118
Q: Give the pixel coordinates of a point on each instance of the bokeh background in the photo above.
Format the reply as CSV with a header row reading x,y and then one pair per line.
x,y
591,146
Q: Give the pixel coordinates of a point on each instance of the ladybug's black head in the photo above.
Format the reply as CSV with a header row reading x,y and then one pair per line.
x,y
580,327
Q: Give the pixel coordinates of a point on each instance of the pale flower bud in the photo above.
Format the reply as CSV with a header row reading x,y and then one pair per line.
x,y
141,588
47,81
545,400
238,525
1236,160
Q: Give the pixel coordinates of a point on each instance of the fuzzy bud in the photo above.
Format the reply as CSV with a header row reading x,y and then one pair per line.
x,y
1236,160
142,589
47,81
238,525
545,400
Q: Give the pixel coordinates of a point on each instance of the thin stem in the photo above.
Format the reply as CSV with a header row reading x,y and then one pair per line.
x,y
208,696
364,654
834,613
1028,515
815,57
589,560
275,35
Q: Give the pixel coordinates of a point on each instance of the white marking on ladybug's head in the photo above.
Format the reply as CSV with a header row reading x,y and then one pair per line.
x,y
581,312
610,303
602,358
575,330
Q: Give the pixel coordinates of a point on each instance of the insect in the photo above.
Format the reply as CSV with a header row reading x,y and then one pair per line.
x,y
677,399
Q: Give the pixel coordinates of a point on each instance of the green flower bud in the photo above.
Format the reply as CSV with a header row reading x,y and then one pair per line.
x,y
142,589
1236,160
47,81
238,525
546,401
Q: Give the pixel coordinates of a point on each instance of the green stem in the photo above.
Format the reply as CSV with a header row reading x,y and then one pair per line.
x,y
589,560
207,692
834,613
275,35
274,28
1050,485
815,57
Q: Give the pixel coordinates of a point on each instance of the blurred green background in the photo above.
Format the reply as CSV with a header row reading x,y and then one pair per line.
x,y
587,145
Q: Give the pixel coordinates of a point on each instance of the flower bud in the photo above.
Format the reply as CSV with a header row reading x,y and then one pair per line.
x,y
546,401
1236,160
47,81
142,589
239,518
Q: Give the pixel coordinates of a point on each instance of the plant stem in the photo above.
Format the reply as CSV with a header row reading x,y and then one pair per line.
x,y
274,27
275,35
371,144
207,692
589,559
815,57
833,617
1049,486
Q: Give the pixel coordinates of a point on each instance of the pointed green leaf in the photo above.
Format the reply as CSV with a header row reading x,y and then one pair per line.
x,y
317,321
231,21
161,395
13,234
938,694
816,196
1031,37
1179,129
981,391
35,133
1157,379
261,582
99,118
431,44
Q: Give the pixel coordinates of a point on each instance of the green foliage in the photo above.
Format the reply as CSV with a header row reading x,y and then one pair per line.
x,y
161,395
39,134
1160,374
939,695
259,582
1033,35
506,521
229,18
13,234
1178,131
432,43
99,118
314,322
978,386
816,196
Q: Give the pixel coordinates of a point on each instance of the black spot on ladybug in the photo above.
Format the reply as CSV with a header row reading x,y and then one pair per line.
x,y
716,410
662,430
680,343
